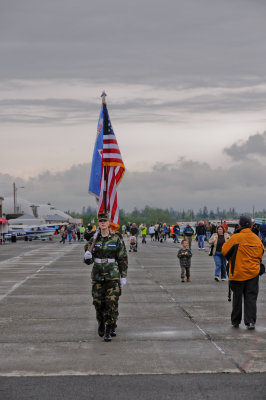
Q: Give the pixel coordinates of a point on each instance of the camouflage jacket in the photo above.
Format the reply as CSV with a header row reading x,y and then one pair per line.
x,y
110,247
184,256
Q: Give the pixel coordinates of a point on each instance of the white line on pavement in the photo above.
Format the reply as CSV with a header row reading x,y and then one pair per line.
x,y
18,284
192,320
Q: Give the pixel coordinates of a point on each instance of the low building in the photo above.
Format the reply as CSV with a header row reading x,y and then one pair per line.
x,y
44,212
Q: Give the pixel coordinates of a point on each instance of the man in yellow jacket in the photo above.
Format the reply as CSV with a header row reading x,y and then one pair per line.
x,y
244,250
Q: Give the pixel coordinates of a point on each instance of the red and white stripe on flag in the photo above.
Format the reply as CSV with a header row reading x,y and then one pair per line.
x,y
112,160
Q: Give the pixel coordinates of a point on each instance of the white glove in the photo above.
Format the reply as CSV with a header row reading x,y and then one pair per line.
x,y
87,255
96,234
123,282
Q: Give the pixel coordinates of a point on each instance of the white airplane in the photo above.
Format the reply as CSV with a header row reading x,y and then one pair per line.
x,y
30,232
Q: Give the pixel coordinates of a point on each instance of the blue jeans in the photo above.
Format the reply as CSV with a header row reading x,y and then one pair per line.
x,y
220,264
69,237
208,235
176,238
201,241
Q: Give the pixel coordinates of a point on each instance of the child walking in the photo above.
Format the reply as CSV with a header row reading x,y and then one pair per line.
x,y
184,256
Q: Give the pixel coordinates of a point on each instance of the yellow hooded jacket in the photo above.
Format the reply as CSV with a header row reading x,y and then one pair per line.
x,y
244,251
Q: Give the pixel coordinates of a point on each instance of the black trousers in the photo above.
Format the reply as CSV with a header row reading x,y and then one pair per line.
x,y
249,291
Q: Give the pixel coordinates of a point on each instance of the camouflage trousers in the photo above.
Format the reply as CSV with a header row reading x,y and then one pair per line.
x,y
185,271
105,300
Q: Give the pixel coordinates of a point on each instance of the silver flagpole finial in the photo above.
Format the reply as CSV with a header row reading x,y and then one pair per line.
x,y
103,95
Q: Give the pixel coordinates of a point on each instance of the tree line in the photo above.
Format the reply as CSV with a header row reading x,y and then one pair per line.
x,y
150,215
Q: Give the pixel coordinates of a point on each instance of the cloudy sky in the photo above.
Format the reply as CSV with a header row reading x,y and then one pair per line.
x,y
186,85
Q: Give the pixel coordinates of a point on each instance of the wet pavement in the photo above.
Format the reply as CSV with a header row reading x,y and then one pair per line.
x,y
166,327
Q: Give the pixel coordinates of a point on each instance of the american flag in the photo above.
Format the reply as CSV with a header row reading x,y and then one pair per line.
x,y
112,171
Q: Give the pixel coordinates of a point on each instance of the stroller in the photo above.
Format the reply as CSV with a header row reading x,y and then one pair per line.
x,y
133,243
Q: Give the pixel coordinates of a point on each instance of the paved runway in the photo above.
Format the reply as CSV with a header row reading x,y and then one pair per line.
x,y
166,327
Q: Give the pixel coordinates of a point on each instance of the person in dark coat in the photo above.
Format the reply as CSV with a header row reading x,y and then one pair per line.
x,y
201,232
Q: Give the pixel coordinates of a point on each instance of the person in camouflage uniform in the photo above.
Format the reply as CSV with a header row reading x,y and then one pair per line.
x,y
108,275
184,256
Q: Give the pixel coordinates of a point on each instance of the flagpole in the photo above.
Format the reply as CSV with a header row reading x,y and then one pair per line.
x,y
103,96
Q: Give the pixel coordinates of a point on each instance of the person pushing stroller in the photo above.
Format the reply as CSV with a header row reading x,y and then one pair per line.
x,y
134,231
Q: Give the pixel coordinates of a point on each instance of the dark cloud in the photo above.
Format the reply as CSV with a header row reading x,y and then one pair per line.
x,y
255,145
47,111
185,184
208,44
142,41
68,111
66,190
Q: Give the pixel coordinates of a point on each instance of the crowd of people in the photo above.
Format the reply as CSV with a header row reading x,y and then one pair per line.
x,y
71,232
237,256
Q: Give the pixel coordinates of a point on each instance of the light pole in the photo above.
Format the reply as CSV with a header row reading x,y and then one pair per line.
x,y
15,189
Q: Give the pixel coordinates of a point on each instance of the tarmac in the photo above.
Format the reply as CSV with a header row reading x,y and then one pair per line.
x,y
166,328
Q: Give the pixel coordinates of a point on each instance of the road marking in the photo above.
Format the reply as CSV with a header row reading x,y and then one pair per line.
x,y
207,335
18,284
37,263
197,325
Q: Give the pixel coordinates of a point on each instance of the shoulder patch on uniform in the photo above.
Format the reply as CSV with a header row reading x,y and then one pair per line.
x,y
111,245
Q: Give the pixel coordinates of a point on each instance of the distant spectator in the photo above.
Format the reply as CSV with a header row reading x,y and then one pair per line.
x,y
144,233
188,233
70,229
165,231
263,231
213,229
176,231
63,233
172,231
74,234
82,231
78,233
156,227
128,227
256,229
161,234
208,228
225,226
201,231
134,231
152,232
236,229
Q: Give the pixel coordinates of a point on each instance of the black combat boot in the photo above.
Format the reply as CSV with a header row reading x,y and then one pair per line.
x,y
107,336
101,328
113,328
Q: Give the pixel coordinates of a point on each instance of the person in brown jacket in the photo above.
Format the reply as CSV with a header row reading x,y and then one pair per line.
x,y
244,250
